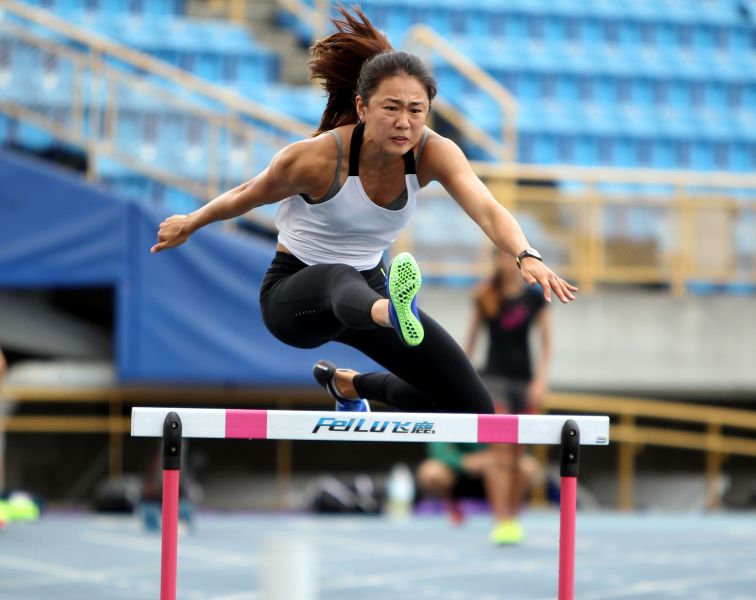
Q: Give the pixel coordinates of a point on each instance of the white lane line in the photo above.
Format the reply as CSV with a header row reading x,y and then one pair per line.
x,y
49,569
652,588
206,555
238,596
436,573
27,581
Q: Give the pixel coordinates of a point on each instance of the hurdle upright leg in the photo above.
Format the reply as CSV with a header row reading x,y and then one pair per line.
x,y
171,474
568,470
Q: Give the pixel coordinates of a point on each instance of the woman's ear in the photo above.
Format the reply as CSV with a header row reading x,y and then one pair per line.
x,y
360,107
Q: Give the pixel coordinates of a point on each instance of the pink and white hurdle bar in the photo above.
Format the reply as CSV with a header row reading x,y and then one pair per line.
x,y
570,432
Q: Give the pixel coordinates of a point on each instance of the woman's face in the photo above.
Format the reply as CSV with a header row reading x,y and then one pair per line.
x,y
395,113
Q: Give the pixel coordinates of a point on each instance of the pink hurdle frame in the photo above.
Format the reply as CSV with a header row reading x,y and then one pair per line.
x,y
240,423
171,476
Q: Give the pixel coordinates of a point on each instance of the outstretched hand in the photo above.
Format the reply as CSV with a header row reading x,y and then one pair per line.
x,y
173,232
534,271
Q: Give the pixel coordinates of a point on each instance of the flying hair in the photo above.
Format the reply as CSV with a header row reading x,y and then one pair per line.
x,y
353,61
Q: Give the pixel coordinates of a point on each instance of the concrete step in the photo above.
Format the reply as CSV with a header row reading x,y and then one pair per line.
x,y
261,19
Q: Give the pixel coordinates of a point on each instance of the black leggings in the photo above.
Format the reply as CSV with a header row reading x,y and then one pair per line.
x,y
307,306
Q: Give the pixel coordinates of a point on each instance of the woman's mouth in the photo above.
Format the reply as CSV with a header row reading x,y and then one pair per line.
x,y
400,140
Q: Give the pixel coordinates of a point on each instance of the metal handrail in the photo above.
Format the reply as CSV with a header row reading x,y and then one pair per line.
x,y
677,178
626,433
425,38
103,46
714,442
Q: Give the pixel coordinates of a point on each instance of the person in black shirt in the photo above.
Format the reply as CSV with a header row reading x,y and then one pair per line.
x,y
4,511
507,309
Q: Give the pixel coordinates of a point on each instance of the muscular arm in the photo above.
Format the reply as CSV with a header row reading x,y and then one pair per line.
x,y
303,166
444,162
449,166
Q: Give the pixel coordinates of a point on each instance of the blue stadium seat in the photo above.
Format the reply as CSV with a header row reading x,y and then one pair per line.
x,y
664,83
32,137
113,6
623,151
663,153
598,120
586,149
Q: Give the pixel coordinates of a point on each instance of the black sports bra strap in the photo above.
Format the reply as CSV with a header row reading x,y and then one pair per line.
x,y
354,149
409,163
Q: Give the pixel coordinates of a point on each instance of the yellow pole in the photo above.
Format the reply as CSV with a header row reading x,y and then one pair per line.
x,y
626,468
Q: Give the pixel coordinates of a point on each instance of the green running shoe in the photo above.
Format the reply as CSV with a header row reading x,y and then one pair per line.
x,y
508,533
402,283
21,507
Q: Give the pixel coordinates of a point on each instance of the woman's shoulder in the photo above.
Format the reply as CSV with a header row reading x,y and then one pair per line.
x,y
485,298
481,288
324,142
310,153
307,164
437,142
440,155
534,296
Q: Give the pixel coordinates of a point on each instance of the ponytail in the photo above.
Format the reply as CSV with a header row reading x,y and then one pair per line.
x,y
337,60
353,61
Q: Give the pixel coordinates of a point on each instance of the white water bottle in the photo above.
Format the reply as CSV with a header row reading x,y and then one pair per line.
x,y
400,489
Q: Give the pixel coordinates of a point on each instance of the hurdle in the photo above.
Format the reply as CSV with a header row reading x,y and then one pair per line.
x,y
174,424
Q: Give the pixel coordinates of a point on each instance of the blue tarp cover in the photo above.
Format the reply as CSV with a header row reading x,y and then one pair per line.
x,y
186,315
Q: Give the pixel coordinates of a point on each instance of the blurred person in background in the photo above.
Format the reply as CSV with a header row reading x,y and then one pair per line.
x,y
4,511
344,195
15,505
479,471
507,310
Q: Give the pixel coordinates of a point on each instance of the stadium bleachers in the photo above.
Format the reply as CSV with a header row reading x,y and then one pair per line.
x,y
669,84
218,51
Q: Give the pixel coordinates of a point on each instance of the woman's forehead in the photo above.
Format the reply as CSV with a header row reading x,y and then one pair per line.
x,y
402,87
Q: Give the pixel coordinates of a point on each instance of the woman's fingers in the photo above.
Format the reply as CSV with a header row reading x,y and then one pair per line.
x,y
565,290
546,288
158,247
170,233
551,284
560,288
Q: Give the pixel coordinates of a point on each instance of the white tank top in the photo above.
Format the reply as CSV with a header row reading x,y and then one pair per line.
x,y
349,228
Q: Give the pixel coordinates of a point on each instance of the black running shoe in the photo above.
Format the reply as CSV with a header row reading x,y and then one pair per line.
x,y
323,371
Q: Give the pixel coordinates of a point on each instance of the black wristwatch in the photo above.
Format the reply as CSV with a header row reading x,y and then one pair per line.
x,y
528,252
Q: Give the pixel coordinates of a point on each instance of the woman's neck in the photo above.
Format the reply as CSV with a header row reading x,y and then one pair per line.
x,y
374,158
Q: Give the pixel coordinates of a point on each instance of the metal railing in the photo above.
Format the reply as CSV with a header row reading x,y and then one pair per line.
x,y
596,225
433,48
603,226
117,103
721,433
718,432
